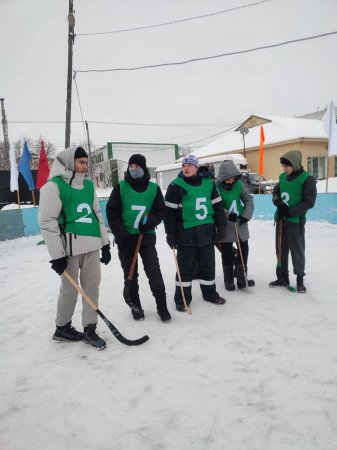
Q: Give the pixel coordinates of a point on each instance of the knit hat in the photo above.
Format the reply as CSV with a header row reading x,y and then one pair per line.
x,y
191,159
80,153
139,160
285,162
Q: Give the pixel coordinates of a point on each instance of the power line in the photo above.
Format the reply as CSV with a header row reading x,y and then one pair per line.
x,y
250,50
174,21
149,124
213,135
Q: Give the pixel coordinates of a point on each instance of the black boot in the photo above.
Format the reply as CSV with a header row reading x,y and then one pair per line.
x,y
282,280
228,277
67,333
240,277
92,338
301,289
164,314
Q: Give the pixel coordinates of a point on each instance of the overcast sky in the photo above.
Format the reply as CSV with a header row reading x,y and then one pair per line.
x,y
202,98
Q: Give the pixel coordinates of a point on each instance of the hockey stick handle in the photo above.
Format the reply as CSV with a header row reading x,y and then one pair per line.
x,y
135,256
188,309
241,256
80,290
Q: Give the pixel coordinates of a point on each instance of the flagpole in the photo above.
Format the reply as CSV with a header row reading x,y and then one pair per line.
x,y
33,196
330,129
18,196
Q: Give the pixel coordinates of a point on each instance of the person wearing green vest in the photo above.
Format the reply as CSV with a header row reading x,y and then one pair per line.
x,y
135,207
293,196
239,207
194,221
74,232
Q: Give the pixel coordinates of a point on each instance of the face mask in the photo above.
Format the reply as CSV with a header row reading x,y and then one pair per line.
x,y
136,173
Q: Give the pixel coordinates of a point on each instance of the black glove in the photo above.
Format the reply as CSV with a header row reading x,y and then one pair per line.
x,y
59,265
242,220
220,235
106,255
233,217
283,210
171,240
147,226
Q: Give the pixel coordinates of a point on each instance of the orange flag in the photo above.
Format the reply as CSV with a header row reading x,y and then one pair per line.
x,y
261,160
43,170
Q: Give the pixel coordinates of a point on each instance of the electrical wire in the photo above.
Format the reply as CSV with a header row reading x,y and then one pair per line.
x,y
174,21
213,135
192,125
239,52
80,106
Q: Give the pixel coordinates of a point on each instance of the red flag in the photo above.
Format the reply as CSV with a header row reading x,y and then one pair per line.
x,y
261,160
43,170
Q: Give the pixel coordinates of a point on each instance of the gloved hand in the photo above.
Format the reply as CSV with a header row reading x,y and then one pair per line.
x,y
233,217
147,226
220,235
171,240
59,264
283,210
106,255
242,220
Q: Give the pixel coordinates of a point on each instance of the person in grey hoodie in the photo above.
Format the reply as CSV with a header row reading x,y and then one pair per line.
x,y
73,230
293,196
239,208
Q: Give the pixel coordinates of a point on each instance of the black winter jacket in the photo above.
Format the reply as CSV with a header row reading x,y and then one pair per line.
x,y
114,210
196,236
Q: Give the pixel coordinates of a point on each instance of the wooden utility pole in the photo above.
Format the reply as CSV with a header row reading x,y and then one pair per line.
x,y
71,38
91,172
5,131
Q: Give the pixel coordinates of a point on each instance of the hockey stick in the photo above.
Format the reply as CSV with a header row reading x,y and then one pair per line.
x,y
240,252
128,281
112,328
187,307
279,255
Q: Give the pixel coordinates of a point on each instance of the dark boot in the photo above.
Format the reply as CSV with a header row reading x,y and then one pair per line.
x,y
282,280
240,277
67,333
92,338
217,300
164,314
228,277
137,313
301,289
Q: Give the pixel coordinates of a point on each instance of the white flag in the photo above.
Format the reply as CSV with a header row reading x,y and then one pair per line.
x,y
14,169
329,125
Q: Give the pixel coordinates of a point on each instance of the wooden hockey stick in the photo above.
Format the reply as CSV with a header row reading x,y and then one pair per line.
x,y
187,307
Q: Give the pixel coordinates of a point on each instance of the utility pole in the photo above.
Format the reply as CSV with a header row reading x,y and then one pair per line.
x,y
5,131
91,173
71,38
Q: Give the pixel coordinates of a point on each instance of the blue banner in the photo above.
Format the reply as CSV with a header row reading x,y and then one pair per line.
x,y
24,167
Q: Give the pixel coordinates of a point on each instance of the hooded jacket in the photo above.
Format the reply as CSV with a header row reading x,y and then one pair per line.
x,y
228,170
50,208
309,187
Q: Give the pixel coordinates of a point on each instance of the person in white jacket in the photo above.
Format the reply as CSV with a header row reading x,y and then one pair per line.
x,y
73,229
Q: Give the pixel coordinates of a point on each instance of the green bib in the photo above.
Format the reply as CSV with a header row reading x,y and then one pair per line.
x,y
291,193
232,199
197,206
77,216
136,204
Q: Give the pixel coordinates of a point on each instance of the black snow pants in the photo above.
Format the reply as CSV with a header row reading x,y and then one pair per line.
x,y
293,240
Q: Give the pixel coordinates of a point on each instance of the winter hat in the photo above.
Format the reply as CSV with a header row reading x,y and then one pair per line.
x,y
285,162
191,159
80,153
139,160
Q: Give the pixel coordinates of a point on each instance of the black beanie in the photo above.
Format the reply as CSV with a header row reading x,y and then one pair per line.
x,y
139,160
80,153
285,162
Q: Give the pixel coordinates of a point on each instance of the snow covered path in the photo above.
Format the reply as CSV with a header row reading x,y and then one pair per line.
x,y
257,373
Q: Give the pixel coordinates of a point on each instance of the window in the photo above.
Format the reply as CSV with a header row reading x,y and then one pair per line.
x,y
317,166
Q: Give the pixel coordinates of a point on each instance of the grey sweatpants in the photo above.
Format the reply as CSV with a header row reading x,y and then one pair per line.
x,y
89,267
292,240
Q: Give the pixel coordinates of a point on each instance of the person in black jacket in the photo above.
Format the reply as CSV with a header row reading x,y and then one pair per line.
x,y
131,200
194,221
293,196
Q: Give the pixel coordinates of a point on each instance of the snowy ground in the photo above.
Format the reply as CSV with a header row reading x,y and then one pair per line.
x,y
257,373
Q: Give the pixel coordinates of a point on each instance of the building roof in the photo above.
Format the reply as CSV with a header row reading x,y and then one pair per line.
x,y
276,130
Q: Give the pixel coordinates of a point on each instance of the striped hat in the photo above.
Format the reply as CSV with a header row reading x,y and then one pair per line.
x,y
191,159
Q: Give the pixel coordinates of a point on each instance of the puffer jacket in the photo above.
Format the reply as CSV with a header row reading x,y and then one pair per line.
x,y
229,170
50,208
